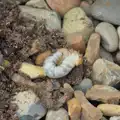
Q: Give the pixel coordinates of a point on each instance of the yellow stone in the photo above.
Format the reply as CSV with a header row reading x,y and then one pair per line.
x,y
110,109
32,71
74,109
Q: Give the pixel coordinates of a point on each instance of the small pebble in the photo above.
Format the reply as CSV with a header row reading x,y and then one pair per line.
x,y
60,114
109,36
31,70
93,48
74,109
41,57
76,42
84,85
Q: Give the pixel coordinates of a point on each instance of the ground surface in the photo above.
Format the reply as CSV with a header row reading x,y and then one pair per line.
x,y
16,37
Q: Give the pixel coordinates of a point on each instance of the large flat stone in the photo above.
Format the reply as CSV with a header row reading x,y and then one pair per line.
x,y
107,10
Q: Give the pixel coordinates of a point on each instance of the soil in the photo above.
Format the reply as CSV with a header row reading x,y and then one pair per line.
x,y
16,38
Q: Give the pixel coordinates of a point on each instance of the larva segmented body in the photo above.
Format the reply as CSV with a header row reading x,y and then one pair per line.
x,y
68,63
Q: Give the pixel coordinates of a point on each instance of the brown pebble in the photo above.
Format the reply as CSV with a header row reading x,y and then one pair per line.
x,y
93,48
63,6
76,42
41,57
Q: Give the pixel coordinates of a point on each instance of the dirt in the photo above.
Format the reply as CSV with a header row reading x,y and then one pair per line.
x,y
16,38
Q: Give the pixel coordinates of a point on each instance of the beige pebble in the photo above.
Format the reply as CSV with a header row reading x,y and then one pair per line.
x,y
93,48
110,109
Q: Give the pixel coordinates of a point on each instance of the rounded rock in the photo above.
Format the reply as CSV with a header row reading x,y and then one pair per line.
x,y
84,85
60,114
63,6
109,36
76,42
76,21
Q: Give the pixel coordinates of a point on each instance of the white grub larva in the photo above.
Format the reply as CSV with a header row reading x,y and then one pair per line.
x,y
52,70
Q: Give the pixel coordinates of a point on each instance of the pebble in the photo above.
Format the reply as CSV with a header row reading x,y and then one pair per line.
x,y
76,21
35,47
109,109
118,31
60,114
74,109
104,94
68,87
26,117
23,100
76,42
105,72
109,36
106,55
89,112
36,110
85,85
31,70
53,21
115,118
42,56
68,91
20,80
103,10
86,7
63,6
41,4
118,57
93,48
